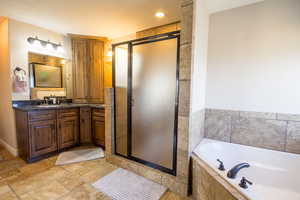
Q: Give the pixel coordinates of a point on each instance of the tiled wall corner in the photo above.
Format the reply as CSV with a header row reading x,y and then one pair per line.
x,y
184,98
159,30
185,62
109,128
293,137
174,185
182,166
274,131
218,124
197,126
186,22
182,133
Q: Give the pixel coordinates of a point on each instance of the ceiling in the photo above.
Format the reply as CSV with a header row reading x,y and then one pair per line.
x,y
220,5
110,18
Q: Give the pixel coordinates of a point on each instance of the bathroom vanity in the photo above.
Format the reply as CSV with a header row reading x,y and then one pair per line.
x,y
46,130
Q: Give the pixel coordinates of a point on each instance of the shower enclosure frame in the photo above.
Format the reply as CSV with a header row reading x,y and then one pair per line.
x,y
131,43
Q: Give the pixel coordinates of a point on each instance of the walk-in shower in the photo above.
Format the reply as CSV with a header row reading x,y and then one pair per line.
x,y
145,81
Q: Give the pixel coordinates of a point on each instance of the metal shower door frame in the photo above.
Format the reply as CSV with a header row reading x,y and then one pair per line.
x,y
146,40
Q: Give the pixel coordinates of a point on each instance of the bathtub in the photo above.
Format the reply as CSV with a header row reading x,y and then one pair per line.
x,y
275,175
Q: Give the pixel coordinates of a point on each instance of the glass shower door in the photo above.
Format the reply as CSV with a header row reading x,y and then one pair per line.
x,y
153,102
121,99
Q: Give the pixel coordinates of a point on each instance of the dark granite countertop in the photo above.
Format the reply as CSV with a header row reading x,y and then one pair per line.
x,y
56,107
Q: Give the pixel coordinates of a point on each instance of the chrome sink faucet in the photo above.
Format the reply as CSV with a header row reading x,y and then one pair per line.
x,y
234,171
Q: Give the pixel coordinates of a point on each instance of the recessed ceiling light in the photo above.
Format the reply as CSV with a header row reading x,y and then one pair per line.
x,y
160,14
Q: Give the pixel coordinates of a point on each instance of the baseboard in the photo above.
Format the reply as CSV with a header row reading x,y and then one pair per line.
x,y
11,149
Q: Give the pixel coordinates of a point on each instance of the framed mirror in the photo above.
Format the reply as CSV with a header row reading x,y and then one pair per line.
x,y
49,75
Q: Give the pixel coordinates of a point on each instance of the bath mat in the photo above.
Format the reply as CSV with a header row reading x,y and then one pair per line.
x,y
79,156
124,185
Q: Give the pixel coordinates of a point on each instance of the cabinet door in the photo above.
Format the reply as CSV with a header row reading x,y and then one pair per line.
x,y
85,126
43,137
80,69
95,52
98,127
88,66
68,132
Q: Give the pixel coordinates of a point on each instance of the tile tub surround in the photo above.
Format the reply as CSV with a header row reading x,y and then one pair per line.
x,y
208,185
274,131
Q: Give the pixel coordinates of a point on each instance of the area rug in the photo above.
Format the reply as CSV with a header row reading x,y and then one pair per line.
x,y
79,156
125,185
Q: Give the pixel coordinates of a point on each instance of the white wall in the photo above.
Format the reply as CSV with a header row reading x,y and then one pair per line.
x,y
254,58
19,47
7,123
199,52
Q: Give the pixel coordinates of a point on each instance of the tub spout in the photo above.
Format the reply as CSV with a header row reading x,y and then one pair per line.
x,y
234,171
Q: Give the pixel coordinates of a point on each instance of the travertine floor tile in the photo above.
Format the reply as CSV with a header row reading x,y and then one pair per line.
x,y
70,181
35,168
171,196
43,180
6,174
76,168
98,173
27,185
50,191
6,193
6,155
53,173
85,192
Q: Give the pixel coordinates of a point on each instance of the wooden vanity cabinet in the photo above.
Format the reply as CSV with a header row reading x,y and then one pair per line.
x,y
42,133
85,125
68,128
42,137
98,127
88,68
46,132
36,134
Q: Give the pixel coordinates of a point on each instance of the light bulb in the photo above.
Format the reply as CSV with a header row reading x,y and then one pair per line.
x,y
60,49
160,14
49,46
37,43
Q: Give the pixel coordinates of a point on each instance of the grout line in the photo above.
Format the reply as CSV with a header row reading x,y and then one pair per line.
x,y
286,135
18,197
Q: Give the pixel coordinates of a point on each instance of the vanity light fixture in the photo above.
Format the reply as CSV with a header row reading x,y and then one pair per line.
x,y
46,44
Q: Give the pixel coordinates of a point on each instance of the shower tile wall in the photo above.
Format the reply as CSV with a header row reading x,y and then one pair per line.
x,y
266,130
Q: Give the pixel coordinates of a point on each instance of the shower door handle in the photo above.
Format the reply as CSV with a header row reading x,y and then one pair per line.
x,y
132,102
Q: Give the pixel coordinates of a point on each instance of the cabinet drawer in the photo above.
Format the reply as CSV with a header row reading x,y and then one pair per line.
x,y
98,113
68,113
42,115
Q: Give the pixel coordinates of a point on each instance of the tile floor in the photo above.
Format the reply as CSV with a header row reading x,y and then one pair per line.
x,y
45,181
